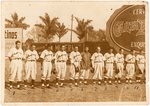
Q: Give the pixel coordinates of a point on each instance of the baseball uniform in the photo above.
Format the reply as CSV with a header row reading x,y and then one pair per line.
x,y
47,57
97,64
119,59
109,60
61,58
16,56
141,62
85,65
75,58
130,67
30,66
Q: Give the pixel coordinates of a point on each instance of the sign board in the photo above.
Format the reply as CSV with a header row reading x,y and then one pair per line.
x,y
12,35
126,28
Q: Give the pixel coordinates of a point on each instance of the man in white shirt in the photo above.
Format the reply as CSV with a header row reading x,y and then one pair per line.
x,y
31,56
140,59
15,56
61,58
98,65
119,59
109,61
47,56
75,58
130,66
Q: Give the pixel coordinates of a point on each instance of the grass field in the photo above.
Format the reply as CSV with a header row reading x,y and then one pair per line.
x,y
82,93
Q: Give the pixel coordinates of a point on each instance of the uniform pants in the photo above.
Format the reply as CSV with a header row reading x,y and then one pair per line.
x,y
98,71
61,70
15,70
130,70
74,74
120,67
84,73
141,67
109,68
30,68
46,72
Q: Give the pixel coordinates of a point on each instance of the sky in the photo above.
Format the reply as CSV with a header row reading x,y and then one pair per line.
x,y
99,12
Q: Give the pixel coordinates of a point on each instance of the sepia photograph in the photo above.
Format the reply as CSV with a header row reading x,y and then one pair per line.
x,y
74,51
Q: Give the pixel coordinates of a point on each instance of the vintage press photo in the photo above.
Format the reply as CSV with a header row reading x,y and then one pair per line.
x,y
74,51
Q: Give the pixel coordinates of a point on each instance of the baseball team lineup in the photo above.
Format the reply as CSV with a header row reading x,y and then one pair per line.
x,y
107,68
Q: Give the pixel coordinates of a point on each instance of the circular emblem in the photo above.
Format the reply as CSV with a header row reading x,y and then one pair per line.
x,y
126,28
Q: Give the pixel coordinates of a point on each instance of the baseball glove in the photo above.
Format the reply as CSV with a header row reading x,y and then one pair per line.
x,y
76,69
54,71
105,71
116,71
92,70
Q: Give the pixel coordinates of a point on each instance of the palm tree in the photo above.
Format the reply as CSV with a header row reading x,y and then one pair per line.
x,y
49,26
15,22
82,28
61,30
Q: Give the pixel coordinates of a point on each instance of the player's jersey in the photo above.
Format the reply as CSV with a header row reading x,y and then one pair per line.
x,y
97,58
75,57
31,55
140,59
109,58
119,58
130,58
15,53
61,56
47,55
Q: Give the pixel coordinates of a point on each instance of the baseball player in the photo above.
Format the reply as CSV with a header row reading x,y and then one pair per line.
x,y
75,58
85,65
130,66
15,56
119,59
140,58
98,65
61,58
47,57
109,60
31,57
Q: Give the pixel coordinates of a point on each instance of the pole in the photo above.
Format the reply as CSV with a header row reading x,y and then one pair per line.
x,y
71,27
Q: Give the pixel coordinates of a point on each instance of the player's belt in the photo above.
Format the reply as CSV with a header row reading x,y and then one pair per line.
x,y
97,61
76,61
61,61
31,60
109,62
130,63
119,62
47,61
140,63
17,59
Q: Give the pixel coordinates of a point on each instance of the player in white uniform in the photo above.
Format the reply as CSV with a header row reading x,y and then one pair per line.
x,y
15,56
31,56
130,66
98,65
47,57
61,58
109,61
119,59
140,58
75,58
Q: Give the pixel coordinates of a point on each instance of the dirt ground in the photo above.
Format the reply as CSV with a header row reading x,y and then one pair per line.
x,y
70,93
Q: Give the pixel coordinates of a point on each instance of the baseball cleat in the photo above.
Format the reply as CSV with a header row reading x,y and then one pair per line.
x,y
105,82
32,86
94,82
10,86
18,86
99,83
25,86
85,82
109,82
80,82
115,81
61,84
47,85
119,81
76,84
127,81
130,81
57,84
